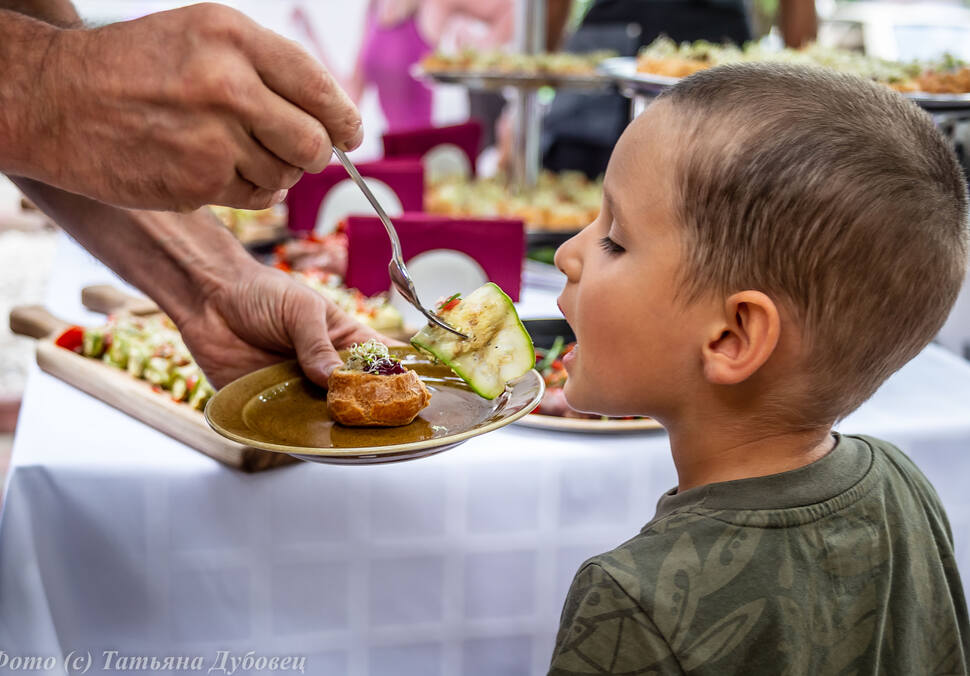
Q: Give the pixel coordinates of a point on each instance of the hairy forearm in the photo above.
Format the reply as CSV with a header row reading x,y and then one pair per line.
x,y
176,259
27,30
55,12
24,113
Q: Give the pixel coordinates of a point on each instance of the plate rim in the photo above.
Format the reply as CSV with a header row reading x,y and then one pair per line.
x,y
374,451
563,424
497,78
623,70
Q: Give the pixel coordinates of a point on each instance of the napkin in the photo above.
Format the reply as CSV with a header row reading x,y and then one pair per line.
x,y
433,144
497,245
398,184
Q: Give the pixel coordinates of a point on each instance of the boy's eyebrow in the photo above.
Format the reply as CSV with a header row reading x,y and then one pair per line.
x,y
608,199
611,205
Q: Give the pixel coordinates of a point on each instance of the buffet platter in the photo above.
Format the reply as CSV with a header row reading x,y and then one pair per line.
x,y
623,71
492,80
140,399
631,82
495,69
940,102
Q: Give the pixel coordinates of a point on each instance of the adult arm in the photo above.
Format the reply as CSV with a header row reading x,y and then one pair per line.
x,y
234,313
797,21
170,111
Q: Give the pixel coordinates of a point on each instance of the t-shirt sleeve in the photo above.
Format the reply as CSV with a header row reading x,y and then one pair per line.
x,y
604,630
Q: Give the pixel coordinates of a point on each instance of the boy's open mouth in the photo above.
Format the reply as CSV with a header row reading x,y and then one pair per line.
x,y
568,358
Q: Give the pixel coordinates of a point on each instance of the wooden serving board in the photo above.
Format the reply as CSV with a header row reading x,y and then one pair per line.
x,y
107,300
30,222
130,395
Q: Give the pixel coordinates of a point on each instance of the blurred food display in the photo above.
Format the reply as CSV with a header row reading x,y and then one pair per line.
x,y
563,201
505,62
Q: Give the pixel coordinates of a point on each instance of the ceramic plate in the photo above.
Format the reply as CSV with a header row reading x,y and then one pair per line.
x,y
594,425
277,409
940,102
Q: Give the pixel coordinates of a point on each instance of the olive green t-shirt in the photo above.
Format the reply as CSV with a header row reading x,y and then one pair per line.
x,y
844,566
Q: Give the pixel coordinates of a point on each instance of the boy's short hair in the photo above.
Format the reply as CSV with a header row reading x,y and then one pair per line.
x,y
837,197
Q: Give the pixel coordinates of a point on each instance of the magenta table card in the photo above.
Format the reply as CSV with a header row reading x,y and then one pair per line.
x,y
419,142
402,179
497,245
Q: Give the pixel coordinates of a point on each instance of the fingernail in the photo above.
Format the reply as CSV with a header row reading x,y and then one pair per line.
x,y
279,196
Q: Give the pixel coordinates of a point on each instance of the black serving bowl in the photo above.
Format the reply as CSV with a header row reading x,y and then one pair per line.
x,y
544,331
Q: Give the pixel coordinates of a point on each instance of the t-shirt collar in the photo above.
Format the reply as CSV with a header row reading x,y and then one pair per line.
x,y
836,472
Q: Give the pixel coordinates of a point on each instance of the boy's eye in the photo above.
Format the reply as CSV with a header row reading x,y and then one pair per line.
x,y
611,247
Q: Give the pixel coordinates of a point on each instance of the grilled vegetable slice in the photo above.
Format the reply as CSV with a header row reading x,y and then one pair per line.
x,y
498,348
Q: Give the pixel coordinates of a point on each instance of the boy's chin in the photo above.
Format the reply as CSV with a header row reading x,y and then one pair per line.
x,y
580,399
573,395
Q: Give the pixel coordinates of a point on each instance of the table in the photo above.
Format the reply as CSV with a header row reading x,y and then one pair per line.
x,y
115,537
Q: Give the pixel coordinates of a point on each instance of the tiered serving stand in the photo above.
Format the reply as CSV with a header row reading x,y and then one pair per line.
x,y
522,91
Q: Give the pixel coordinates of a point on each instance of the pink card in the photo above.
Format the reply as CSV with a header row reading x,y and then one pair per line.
x,y
428,142
319,201
496,247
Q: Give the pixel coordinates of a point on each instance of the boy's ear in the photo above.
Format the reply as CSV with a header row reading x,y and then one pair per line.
x,y
743,339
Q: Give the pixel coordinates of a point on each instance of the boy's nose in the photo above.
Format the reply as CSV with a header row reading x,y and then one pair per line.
x,y
567,257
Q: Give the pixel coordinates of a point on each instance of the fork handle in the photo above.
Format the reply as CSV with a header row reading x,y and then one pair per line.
x,y
364,188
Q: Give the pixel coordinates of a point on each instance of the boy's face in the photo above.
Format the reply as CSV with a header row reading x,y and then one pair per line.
x,y
638,348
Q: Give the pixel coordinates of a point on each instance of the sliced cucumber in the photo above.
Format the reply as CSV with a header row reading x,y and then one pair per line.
x,y
184,380
117,353
498,348
93,343
200,394
158,371
137,358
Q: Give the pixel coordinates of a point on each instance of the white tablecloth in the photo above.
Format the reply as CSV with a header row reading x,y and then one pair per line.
x,y
116,537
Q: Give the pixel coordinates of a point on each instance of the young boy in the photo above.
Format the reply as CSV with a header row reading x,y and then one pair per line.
x,y
774,243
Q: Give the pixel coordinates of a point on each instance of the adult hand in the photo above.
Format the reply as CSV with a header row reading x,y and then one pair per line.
x,y
235,314
198,105
251,322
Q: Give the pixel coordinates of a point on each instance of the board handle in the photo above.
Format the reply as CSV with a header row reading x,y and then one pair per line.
x,y
36,321
106,299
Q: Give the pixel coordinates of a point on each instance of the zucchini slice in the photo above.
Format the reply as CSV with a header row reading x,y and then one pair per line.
x,y
498,348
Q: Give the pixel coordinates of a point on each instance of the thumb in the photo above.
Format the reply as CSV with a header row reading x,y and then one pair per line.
x,y
314,350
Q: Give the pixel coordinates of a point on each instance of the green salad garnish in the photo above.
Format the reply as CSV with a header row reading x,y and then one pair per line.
x,y
373,357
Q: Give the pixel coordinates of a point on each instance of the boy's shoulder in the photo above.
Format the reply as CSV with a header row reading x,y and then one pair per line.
x,y
718,562
672,552
708,536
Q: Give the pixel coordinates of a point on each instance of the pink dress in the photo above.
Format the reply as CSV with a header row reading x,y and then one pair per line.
x,y
388,54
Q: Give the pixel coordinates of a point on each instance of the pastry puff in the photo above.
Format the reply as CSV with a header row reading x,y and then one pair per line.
x,y
363,399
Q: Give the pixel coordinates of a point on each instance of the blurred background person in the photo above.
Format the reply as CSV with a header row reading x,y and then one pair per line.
x,y
399,33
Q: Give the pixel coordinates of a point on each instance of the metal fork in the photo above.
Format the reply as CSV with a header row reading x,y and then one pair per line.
x,y
396,269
